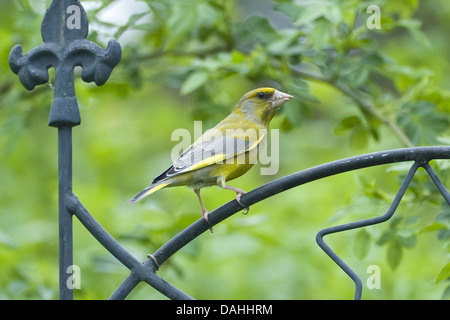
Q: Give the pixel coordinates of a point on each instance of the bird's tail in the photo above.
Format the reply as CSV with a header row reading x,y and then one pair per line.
x,y
147,191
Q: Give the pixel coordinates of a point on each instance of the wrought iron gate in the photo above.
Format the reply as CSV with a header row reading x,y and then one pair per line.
x,y
65,46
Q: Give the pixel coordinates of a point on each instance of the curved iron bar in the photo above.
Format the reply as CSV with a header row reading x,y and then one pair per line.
x,y
445,194
372,221
360,224
419,155
139,271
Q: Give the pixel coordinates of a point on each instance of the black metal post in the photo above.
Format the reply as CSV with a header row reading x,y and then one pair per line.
x,y
64,31
65,216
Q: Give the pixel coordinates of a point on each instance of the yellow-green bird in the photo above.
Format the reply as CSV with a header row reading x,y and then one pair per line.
x,y
224,152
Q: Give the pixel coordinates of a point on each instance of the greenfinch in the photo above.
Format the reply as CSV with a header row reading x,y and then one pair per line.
x,y
224,152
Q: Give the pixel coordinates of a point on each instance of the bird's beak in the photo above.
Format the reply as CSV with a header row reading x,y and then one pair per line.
x,y
279,98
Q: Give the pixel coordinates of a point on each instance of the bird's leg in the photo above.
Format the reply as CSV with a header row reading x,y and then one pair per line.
x,y
239,193
204,211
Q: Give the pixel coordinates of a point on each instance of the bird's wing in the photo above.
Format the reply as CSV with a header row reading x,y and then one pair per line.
x,y
214,147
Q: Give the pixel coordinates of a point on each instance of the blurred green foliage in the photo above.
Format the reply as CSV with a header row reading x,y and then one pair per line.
x,y
356,90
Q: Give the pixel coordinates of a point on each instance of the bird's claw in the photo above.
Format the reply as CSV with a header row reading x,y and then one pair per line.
x,y
157,265
205,216
238,199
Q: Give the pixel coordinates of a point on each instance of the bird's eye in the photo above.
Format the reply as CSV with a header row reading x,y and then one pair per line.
x,y
261,95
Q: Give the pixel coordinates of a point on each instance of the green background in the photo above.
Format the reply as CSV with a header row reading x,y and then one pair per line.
x,y
356,91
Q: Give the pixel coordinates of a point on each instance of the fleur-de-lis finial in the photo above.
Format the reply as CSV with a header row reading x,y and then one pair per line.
x,y
64,31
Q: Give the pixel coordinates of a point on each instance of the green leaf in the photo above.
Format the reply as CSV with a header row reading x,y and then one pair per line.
x,y
358,138
446,294
300,89
395,221
422,122
394,253
432,227
350,122
408,242
443,234
135,17
293,113
358,77
23,4
362,244
291,10
194,81
444,218
261,28
444,274
314,10
420,37
322,33
372,60
347,124
286,124
182,20
413,26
